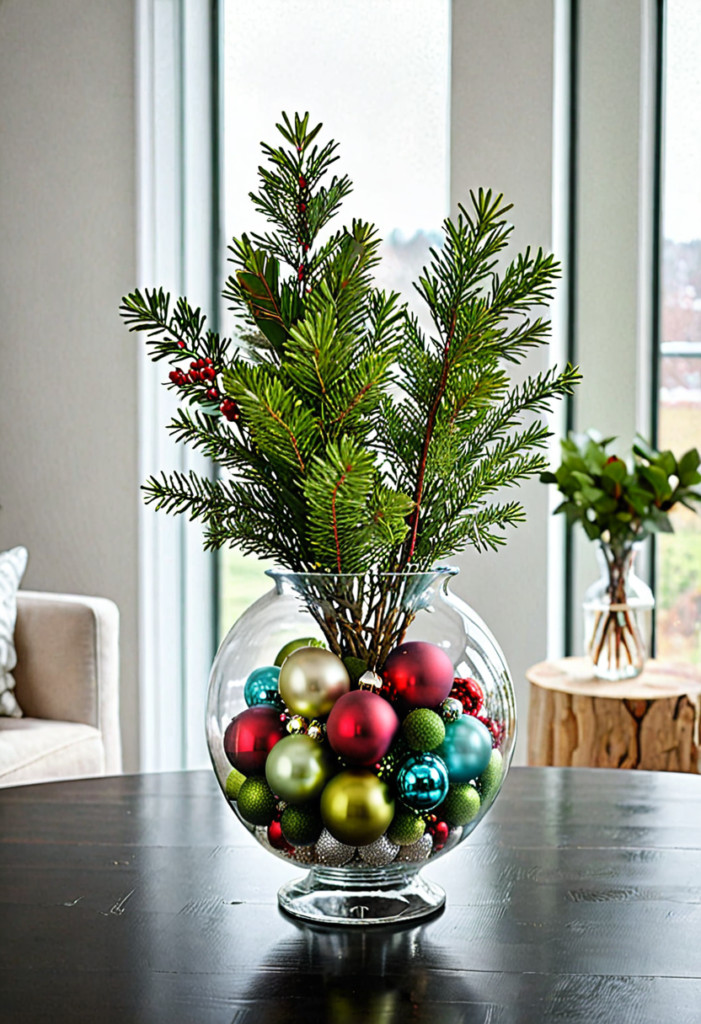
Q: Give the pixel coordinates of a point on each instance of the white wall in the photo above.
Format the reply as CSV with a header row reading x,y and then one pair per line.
x,y
68,380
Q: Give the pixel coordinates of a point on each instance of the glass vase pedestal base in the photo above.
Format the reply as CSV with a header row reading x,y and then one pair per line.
x,y
334,896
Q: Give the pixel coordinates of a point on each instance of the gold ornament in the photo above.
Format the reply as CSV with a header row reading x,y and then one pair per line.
x,y
357,807
312,680
298,770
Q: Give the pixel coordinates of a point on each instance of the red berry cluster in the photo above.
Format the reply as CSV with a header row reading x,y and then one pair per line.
x,y
469,693
202,374
229,409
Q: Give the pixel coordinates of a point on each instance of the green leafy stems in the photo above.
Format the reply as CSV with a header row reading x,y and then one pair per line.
x,y
346,438
622,500
619,502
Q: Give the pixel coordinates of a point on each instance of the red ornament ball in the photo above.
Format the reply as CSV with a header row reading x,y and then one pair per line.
x,y
361,727
277,839
439,831
469,693
250,737
421,674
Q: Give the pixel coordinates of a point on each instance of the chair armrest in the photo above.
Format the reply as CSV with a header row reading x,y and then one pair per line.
x,y
68,663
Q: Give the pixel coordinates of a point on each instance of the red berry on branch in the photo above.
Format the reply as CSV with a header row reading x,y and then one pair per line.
x,y
181,344
194,376
229,409
209,362
302,182
213,394
175,376
300,274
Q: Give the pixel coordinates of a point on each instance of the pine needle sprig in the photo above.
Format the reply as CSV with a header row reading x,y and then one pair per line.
x,y
349,439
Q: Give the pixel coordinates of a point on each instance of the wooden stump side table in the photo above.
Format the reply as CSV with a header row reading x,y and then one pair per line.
x,y
650,722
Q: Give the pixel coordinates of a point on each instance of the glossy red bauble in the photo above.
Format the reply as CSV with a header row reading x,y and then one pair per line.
x,y
361,727
277,839
420,674
250,737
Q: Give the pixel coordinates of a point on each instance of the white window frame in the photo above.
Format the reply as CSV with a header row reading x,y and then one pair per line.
x,y
177,222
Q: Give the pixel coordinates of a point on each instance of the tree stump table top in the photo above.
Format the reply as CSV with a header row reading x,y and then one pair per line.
x,y
651,721
659,679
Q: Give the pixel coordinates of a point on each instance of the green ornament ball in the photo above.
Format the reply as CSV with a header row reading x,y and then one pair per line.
x,y
298,768
490,778
423,730
355,667
301,825
406,828
292,645
256,801
461,805
234,780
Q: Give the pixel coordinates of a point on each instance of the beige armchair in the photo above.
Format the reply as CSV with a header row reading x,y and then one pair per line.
x,y
67,684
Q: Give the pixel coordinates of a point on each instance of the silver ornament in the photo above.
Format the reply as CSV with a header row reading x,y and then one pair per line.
x,y
420,850
379,853
304,854
330,851
451,709
370,681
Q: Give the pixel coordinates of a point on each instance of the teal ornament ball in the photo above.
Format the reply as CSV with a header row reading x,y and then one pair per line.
x,y
466,749
299,770
262,687
422,781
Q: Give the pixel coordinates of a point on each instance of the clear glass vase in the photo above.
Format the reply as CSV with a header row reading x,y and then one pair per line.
x,y
617,615
364,794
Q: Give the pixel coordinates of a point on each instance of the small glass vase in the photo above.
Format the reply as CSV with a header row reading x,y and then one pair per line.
x,y
617,615
361,619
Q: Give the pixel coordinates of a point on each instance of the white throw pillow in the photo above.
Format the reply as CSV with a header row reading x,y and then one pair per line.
x,y
12,566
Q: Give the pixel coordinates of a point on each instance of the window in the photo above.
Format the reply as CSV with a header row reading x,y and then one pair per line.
x,y
679,409
378,77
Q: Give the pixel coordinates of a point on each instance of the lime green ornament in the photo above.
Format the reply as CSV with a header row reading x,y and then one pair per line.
x,y
490,778
292,645
301,824
256,801
461,805
234,780
406,828
423,730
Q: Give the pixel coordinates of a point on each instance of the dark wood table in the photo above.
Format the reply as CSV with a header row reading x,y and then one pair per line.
x,y
141,898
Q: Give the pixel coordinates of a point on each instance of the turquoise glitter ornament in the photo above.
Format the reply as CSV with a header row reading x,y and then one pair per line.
x,y
422,781
466,749
261,687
